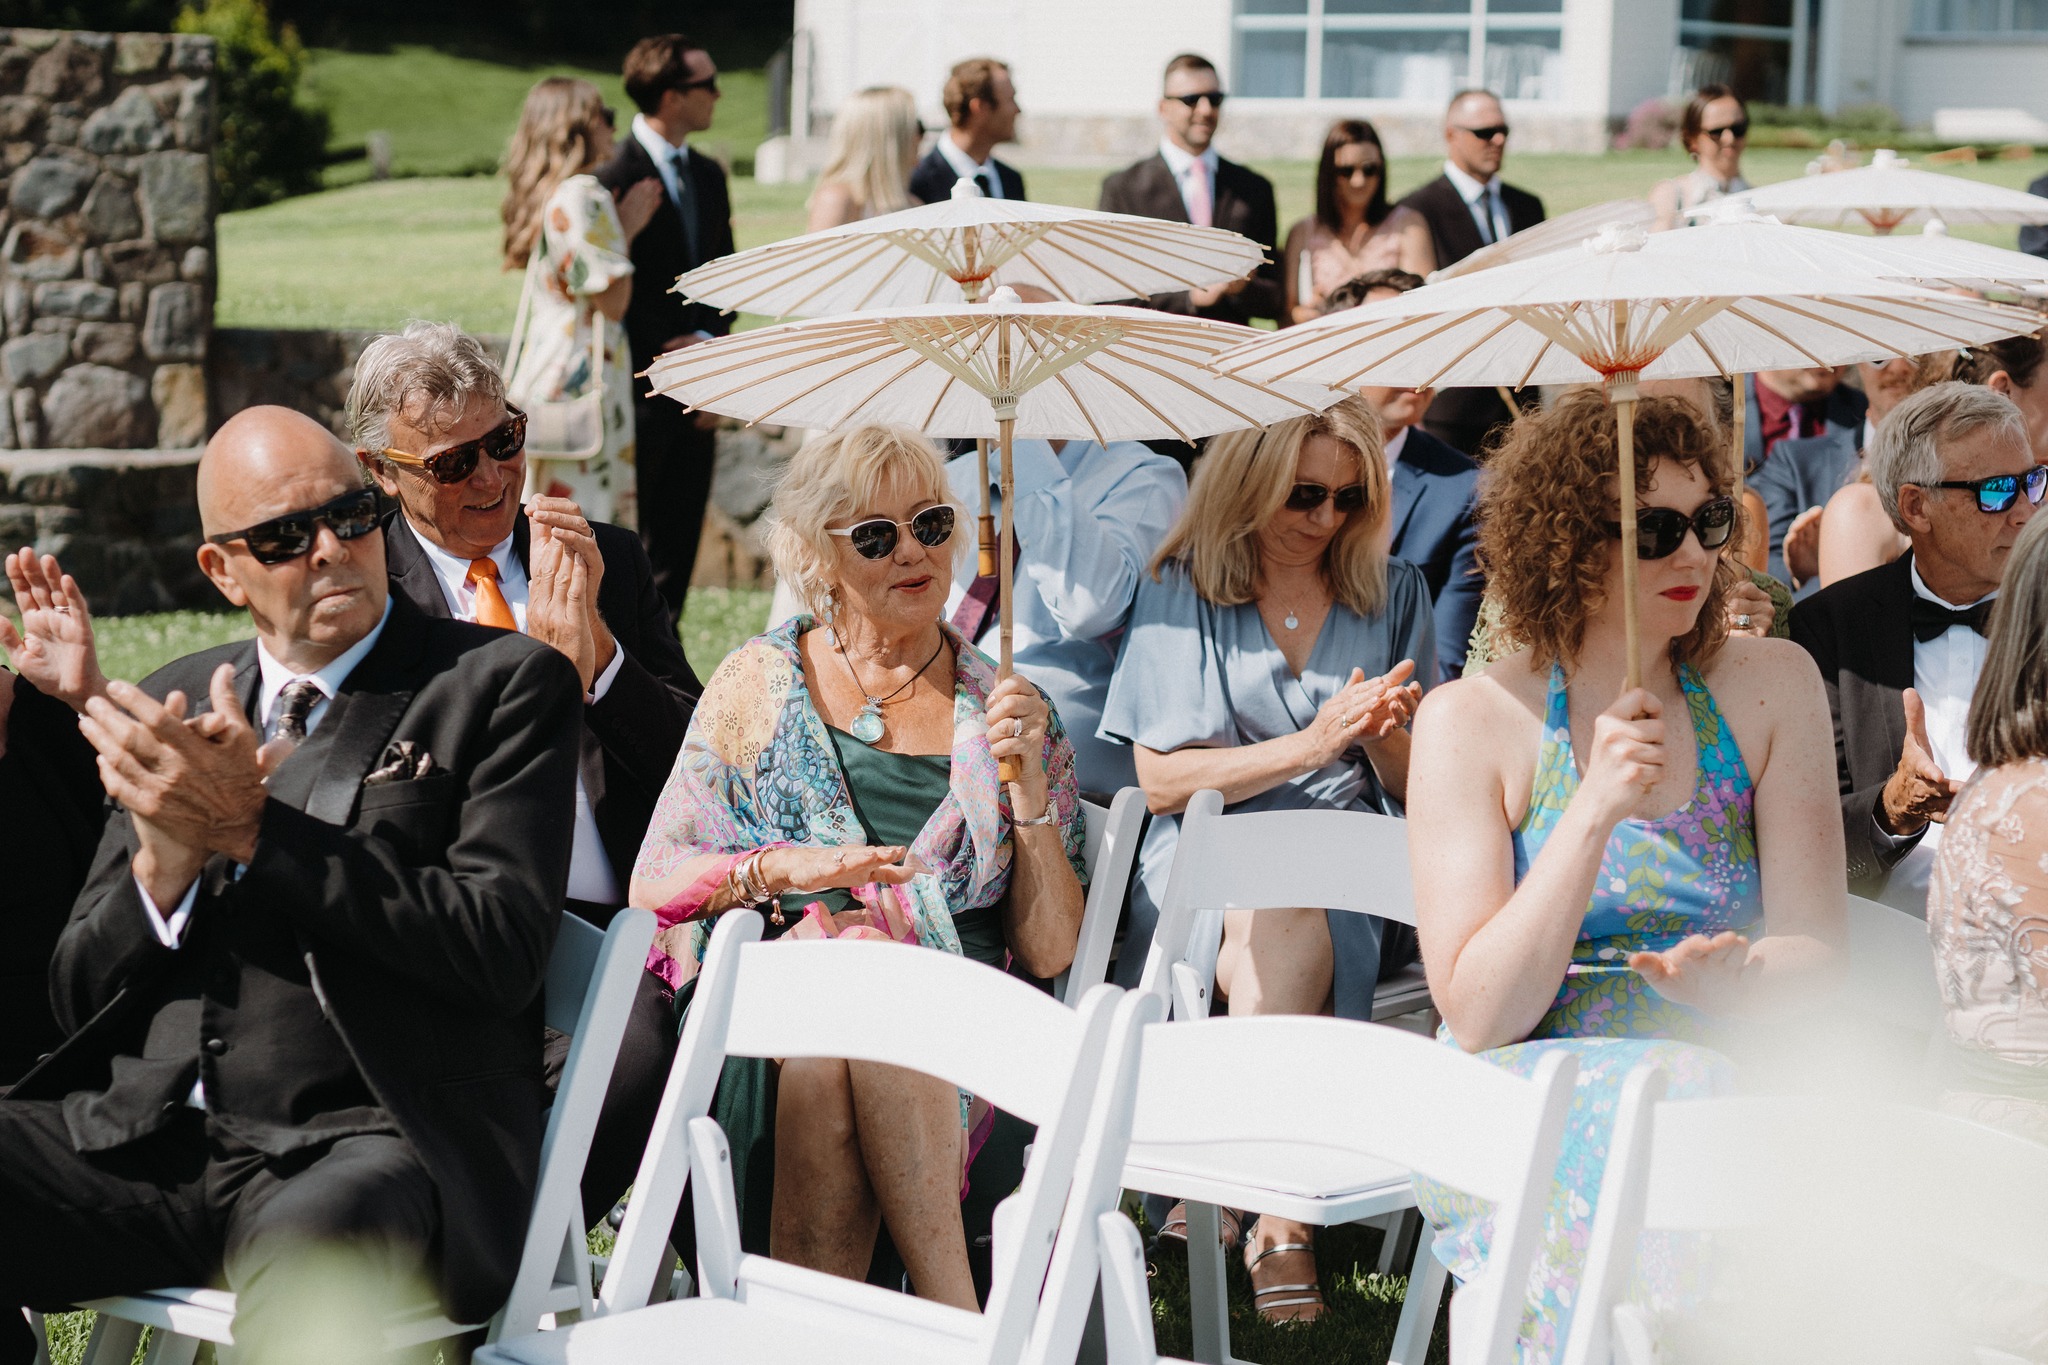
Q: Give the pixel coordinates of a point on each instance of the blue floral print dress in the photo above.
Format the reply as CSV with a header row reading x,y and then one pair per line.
x,y
1660,881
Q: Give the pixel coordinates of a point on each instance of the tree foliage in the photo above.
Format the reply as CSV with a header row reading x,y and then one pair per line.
x,y
270,145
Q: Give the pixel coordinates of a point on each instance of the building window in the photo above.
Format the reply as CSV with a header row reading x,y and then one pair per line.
x,y
1764,48
1421,51
1971,18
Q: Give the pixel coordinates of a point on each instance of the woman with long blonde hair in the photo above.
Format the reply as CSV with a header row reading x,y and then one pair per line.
x,y
867,169
1270,655
565,230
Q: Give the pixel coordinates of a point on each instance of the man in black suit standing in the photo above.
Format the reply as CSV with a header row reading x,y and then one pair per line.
x,y
674,83
1900,646
981,106
302,987
1468,207
1185,181
467,550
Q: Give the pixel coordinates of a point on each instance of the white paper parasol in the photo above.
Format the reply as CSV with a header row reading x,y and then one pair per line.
x,y
1625,307
996,370
1886,195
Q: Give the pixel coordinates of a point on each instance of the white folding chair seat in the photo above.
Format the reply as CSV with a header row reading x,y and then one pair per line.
x,y
935,1013
1924,1191
1354,1104
588,995
1111,856
1341,860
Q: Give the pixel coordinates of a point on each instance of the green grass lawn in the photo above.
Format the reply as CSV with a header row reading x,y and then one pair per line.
x,y
374,255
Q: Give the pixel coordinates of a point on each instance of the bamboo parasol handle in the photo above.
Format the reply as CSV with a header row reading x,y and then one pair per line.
x,y
1625,432
986,542
1007,769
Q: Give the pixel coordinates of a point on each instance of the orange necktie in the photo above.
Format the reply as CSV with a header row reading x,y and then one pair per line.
x,y
491,608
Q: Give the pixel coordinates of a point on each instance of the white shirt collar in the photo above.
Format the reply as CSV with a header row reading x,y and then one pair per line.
x,y
1468,188
1395,444
329,679
1178,160
453,575
1920,589
658,147
966,166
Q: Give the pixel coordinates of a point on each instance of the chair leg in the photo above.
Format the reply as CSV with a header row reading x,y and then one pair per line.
x,y
113,1341
1389,1225
1426,1279
42,1331
168,1348
1208,1292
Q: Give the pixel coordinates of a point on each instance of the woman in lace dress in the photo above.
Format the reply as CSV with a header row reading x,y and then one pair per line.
x,y
1987,903
566,229
1631,862
1354,229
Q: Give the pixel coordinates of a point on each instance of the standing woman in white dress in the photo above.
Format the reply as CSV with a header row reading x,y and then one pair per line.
x,y
566,232
1714,129
867,167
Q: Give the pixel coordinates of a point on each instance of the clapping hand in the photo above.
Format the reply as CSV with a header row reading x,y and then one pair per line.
x,y
847,866
1363,709
1750,609
54,647
637,204
1802,546
1711,974
561,605
1917,791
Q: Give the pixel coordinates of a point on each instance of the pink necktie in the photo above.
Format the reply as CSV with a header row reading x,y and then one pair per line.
x,y
1201,204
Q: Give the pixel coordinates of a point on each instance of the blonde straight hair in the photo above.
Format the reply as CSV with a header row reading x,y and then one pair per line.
x,y
1243,483
552,143
869,138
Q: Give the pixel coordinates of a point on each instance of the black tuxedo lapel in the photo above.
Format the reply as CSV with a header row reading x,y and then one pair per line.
x,y
410,571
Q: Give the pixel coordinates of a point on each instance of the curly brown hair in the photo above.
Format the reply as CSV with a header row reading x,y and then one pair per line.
x,y
1543,534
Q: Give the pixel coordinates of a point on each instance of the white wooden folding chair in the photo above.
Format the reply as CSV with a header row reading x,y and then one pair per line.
x,y
588,995
931,1012
1111,856
1340,860
1319,1105
1833,1169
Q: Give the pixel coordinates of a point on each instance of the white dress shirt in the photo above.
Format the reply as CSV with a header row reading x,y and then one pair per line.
x,y
1945,673
1395,444
982,173
1182,163
1489,212
590,870
663,154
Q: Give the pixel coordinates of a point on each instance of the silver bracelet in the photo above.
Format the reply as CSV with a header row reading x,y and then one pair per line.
x,y
1045,817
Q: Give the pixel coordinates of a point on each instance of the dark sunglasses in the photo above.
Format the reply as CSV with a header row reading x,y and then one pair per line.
x,y
609,115
1661,530
1194,101
1307,497
876,539
1488,133
707,83
1998,493
1738,129
1372,171
458,462
291,535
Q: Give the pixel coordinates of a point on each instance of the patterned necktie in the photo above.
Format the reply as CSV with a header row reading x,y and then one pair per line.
x,y
1201,196
491,608
295,702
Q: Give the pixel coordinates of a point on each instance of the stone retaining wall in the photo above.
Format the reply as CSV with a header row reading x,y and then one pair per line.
x,y
107,259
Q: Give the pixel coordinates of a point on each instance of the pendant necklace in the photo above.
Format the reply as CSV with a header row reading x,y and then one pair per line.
x,y
1292,622
867,726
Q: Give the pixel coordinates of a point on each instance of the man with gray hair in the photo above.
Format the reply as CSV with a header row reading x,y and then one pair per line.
x,y
432,427
1900,646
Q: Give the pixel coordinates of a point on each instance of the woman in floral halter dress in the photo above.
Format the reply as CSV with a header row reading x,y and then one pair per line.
x,y
1631,863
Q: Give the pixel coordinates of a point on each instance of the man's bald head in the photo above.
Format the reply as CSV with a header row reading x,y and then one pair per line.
x,y
1476,133
308,607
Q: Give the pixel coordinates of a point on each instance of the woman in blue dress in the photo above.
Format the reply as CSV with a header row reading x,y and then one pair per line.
x,y
1628,863
1273,654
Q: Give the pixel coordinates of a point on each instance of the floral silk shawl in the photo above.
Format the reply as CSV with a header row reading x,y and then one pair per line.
x,y
758,770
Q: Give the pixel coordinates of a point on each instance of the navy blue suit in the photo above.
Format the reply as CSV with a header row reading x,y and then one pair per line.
x,y
1800,474
1434,485
1846,407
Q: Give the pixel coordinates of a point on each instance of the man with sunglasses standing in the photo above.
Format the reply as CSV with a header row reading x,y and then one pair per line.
x,y
674,83
1469,207
1900,646
302,985
429,415
1185,181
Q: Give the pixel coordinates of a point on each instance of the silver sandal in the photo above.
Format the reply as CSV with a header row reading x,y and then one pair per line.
x,y
1264,1306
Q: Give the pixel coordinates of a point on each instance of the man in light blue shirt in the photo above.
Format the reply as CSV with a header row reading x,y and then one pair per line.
x,y
1087,520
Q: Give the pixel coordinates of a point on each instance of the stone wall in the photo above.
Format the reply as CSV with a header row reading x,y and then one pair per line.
x,y
123,522
107,259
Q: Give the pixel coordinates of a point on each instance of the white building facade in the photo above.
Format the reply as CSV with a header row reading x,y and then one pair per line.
x,y
1087,71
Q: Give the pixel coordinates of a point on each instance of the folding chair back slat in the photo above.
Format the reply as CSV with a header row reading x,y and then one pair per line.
x,y
1111,856
1891,967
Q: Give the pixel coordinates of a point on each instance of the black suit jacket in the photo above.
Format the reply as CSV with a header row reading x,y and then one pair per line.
x,y
632,734
656,314
932,181
1857,631
1243,204
426,910
1455,236
52,808
2034,240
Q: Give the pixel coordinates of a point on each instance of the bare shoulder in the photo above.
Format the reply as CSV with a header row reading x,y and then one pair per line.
x,y
1504,694
1747,668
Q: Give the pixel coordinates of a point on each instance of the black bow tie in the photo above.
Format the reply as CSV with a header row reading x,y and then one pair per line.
x,y
1930,619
